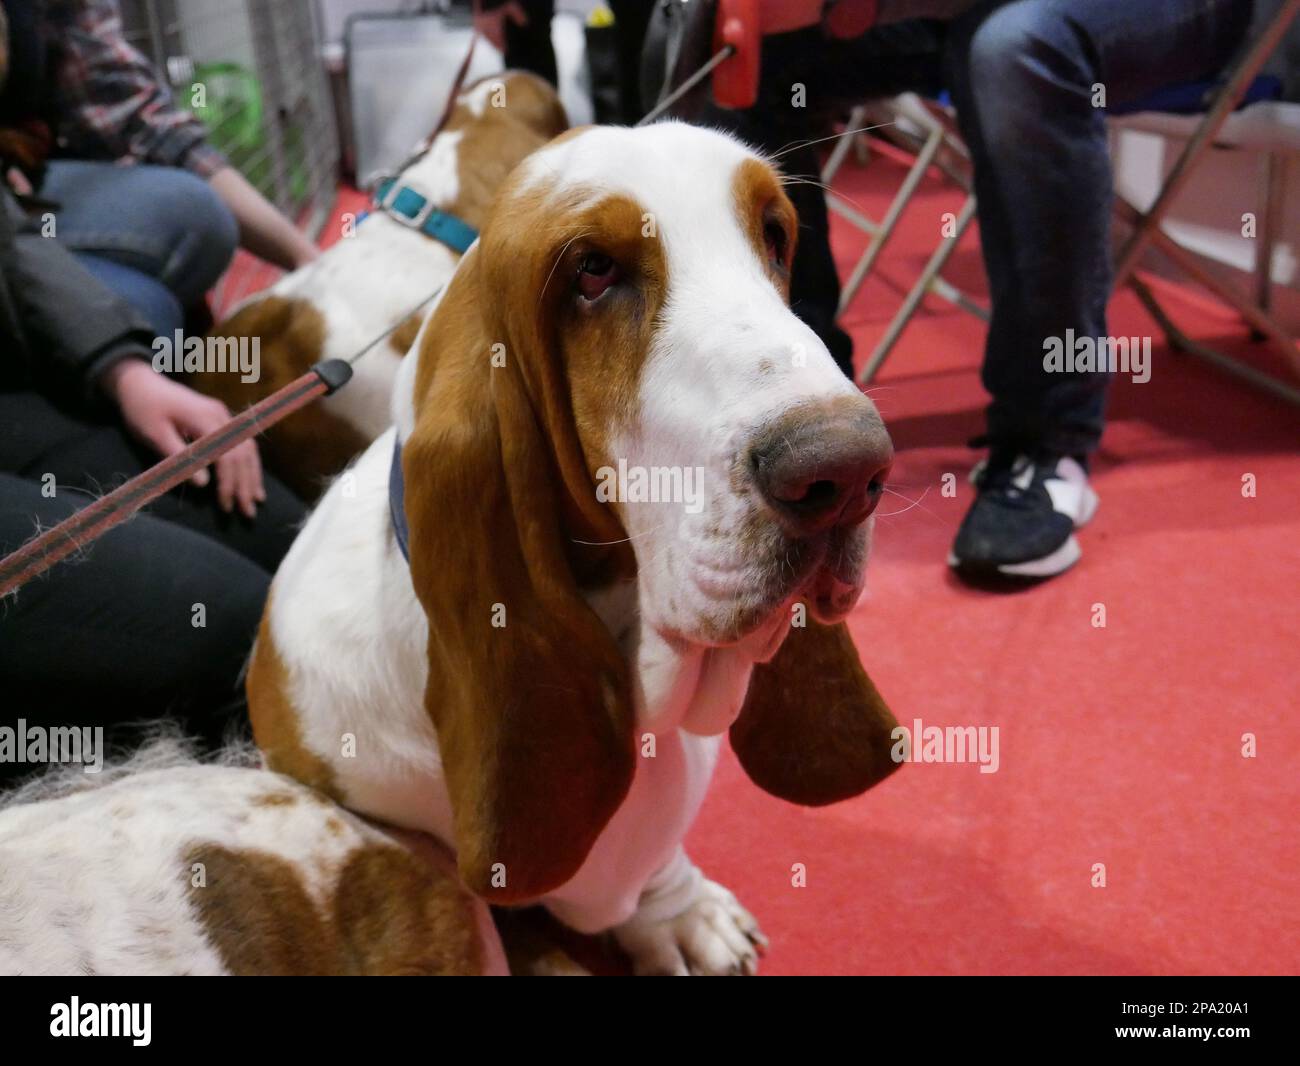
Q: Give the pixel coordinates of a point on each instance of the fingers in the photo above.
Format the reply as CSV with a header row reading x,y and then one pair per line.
x,y
228,478
239,480
239,471
258,482
166,439
168,415
250,490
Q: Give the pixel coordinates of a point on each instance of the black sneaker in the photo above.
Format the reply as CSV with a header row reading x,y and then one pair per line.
x,y
1022,522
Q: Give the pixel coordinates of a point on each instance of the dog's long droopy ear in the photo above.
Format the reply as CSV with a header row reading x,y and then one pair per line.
x,y
813,729
527,690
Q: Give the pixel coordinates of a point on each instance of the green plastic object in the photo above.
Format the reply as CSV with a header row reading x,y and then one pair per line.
x,y
234,114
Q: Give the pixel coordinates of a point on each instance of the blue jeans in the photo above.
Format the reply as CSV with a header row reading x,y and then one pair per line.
x,y
1022,75
158,236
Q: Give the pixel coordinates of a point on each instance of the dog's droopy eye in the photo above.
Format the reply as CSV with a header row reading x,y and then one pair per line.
x,y
596,273
774,238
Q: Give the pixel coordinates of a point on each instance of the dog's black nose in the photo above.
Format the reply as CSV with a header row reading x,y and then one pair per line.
x,y
822,466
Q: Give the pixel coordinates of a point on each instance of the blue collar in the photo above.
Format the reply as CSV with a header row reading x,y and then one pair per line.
x,y
397,501
411,208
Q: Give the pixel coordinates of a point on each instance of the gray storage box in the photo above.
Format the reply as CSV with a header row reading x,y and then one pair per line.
x,y
400,73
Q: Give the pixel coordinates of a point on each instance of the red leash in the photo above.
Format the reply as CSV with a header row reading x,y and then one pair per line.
x,y
72,534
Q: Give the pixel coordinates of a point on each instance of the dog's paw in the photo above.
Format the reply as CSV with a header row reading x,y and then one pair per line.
x,y
713,937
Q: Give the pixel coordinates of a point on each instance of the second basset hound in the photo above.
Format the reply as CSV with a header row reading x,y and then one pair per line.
x,y
635,493
381,269
165,866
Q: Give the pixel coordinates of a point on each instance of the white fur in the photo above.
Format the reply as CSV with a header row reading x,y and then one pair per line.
x,y
476,97
347,623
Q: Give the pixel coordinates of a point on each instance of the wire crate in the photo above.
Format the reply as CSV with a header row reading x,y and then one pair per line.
x,y
251,70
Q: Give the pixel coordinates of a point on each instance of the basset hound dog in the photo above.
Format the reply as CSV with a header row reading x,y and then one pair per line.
x,y
624,508
164,866
405,247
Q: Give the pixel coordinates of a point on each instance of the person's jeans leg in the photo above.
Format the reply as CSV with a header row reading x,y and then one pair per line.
x,y
161,221
142,291
1023,77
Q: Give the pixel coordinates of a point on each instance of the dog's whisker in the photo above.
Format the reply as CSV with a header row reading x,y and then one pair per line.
x,y
833,137
802,180
555,266
911,504
609,543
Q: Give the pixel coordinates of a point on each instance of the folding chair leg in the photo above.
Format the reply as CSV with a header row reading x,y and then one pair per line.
x,y
1261,320
1179,341
923,285
836,204
843,146
861,150
1231,94
890,222
1272,204
946,290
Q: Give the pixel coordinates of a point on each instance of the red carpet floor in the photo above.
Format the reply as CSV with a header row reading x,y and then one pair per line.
x,y
1119,746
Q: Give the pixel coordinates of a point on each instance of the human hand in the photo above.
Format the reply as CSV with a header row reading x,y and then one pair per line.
x,y
492,24
167,415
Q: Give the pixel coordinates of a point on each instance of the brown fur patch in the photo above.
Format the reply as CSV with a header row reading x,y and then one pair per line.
x,y
310,445
275,799
400,916
401,339
604,344
258,915
275,719
388,913
494,142
581,364
759,200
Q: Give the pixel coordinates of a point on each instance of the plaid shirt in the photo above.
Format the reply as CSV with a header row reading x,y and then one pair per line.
x,y
109,102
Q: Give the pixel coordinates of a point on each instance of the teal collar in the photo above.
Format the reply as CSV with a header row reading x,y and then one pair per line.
x,y
414,209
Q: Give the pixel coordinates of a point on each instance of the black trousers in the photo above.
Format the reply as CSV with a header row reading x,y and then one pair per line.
x,y
529,47
806,82
156,618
